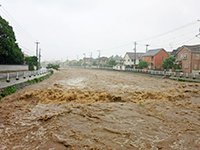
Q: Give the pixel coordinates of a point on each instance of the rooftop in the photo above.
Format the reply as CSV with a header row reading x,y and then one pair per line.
x,y
193,48
152,52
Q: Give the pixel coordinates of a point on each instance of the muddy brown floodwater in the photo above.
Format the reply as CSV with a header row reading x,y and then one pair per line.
x,y
93,110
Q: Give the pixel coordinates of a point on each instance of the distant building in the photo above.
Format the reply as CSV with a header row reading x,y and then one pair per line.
x,y
102,61
155,58
188,57
130,57
87,61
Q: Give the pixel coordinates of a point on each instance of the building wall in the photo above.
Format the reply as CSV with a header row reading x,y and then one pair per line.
x,y
129,61
13,68
159,58
149,60
186,64
196,62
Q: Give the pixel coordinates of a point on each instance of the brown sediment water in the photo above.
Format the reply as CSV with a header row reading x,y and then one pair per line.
x,y
90,109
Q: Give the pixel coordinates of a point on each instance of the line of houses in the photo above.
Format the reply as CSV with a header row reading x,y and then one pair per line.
x,y
187,59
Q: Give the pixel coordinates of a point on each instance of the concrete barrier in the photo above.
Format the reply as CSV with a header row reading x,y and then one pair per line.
x,y
12,68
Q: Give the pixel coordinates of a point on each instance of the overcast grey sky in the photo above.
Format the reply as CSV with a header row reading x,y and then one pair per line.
x,y
67,28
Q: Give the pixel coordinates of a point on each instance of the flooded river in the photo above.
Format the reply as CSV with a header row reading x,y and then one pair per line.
x,y
92,109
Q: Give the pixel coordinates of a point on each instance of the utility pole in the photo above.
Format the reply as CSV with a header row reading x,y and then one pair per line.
x,y
147,47
135,54
37,43
83,59
40,58
99,56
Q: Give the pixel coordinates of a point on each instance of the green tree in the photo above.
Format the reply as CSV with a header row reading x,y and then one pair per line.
x,y
143,64
168,63
56,67
10,53
111,63
31,62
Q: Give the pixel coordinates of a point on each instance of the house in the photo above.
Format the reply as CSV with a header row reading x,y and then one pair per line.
x,y
87,61
188,57
155,58
118,59
129,59
102,61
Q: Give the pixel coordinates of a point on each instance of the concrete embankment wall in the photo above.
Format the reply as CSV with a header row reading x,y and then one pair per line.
x,y
13,68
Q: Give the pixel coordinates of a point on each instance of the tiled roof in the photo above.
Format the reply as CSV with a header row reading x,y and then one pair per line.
x,y
193,48
131,55
152,52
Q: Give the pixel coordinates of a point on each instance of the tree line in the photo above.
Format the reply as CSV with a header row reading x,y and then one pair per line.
x,y
10,53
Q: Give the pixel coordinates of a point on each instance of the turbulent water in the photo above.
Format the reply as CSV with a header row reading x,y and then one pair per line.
x,y
88,109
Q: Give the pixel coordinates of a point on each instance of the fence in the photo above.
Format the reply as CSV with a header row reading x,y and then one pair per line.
x,y
155,72
25,74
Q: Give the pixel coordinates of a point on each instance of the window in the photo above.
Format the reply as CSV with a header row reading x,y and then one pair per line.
x,y
128,60
132,60
143,58
158,66
163,58
186,67
184,56
195,66
151,58
197,56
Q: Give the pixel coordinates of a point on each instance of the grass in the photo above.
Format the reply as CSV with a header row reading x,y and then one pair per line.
x,y
179,79
7,91
141,104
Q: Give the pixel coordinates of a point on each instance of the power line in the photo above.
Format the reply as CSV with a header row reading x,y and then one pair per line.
x,y
18,27
176,29
27,49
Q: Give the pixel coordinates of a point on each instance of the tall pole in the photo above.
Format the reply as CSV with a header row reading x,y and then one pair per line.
x,y
83,59
99,56
147,47
135,54
40,58
37,43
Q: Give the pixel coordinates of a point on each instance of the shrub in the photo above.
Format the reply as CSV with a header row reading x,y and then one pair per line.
x,y
8,90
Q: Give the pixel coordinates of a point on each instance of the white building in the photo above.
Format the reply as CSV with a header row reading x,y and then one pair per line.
x,y
129,59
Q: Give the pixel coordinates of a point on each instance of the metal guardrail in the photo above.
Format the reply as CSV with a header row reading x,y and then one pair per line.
x,y
167,73
153,72
25,74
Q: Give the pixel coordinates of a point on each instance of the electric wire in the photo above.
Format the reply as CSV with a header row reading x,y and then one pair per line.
x,y
16,24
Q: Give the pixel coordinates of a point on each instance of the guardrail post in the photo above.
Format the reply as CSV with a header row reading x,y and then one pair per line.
x,y
181,75
24,75
7,77
194,77
174,74
17,77
187,75
29,73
